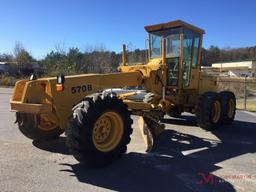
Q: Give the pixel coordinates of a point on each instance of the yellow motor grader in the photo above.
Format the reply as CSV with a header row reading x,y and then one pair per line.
x,y
98,125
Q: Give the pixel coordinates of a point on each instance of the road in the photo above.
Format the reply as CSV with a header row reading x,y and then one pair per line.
x,y
185,158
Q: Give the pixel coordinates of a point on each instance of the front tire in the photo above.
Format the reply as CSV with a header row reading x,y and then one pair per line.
x,y
208,111
34,127
99,130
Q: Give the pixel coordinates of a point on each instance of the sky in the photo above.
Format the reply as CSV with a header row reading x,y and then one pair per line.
x,y
44,25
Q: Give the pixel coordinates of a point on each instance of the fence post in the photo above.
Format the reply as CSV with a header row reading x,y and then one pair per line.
x,y
245,92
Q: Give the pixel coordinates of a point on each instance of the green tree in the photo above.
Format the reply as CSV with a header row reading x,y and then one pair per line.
x,y
74,60
6,57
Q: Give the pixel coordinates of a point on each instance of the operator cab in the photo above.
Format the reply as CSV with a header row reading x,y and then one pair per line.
x,y
182,51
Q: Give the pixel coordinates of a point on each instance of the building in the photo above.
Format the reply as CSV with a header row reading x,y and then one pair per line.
x,y
2,67
233,69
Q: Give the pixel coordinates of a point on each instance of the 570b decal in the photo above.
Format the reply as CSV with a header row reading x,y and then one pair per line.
x,y
81,88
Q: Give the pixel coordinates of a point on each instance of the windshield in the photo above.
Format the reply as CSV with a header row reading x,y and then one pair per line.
x,y
172,37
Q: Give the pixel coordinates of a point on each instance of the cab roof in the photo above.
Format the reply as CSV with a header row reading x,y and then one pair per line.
x,y
173,24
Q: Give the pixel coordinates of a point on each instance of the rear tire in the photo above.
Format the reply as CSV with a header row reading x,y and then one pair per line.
x,y
87,141
27,124
228,101
208,111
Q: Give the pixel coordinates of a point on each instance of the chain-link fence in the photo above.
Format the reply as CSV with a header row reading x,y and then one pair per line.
x,y
244,89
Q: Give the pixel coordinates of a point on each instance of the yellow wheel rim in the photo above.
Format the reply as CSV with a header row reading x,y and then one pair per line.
x,y
216,112
45,124
231,108
107,131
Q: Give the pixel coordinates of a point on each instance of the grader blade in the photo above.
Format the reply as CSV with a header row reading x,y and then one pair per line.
x,y
146,134
150,129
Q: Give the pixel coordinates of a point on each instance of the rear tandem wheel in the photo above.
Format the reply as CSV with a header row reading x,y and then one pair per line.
x,y
228,101
209,110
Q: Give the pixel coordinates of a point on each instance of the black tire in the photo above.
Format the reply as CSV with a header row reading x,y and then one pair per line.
x,y
228,101
27,124
204,111
80,130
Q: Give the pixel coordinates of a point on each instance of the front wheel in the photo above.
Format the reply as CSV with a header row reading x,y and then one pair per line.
x,y
99,130
36,127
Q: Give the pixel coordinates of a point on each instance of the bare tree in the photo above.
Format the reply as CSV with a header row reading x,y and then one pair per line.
x,y
21,55
61,47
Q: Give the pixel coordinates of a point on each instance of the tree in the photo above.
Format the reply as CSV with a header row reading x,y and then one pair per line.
x,y
213,55
21,55
6,57
54,63
74,60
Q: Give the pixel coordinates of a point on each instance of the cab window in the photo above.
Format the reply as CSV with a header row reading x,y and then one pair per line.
x,y
196,50
155,44
190,54
173,43
187,55
172,37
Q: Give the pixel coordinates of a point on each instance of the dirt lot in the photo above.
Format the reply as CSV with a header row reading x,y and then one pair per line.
x,y
185,158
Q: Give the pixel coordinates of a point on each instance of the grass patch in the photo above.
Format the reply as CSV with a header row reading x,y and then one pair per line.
x,y
7,81
250,105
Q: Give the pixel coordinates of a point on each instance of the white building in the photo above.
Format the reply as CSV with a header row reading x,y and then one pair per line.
x,y
233,69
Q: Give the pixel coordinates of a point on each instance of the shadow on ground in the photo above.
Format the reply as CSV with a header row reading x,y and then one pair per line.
x,y
54,146
167,168
186,120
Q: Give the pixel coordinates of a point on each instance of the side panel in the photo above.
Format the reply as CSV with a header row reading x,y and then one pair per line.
x,y
207,83
194,78
18,90
77,87
40,96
